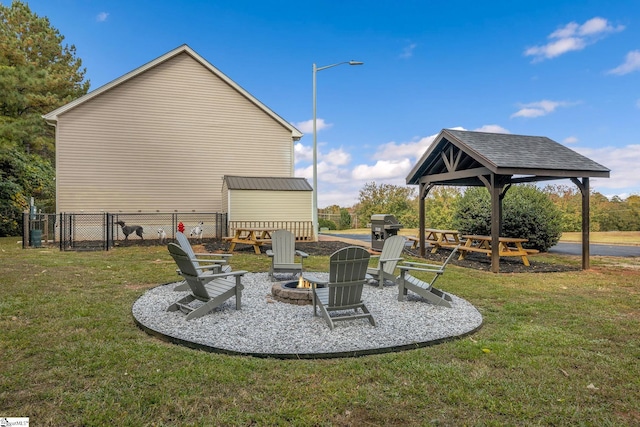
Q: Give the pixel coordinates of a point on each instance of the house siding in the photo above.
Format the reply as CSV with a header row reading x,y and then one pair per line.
x,y
162,141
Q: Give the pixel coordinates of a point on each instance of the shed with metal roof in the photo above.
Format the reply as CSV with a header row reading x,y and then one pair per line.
x,y
269,202
497,161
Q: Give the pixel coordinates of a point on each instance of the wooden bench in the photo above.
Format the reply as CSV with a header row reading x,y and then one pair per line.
x,y
509,246
255,237
437,238
473,249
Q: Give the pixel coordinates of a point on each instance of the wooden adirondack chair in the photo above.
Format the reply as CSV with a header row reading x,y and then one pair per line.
x,y
425,289
217,263
343,290
387,260
211,288
283,252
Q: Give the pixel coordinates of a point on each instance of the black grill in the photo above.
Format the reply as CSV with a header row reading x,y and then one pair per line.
x,y
382,227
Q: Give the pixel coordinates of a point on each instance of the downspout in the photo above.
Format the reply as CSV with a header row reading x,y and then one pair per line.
x,y
54,123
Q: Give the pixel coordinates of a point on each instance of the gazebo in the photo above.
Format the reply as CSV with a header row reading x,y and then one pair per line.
x,y
497,161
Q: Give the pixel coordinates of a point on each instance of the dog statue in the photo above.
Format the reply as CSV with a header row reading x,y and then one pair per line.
x,y
162,236
128,229
197,231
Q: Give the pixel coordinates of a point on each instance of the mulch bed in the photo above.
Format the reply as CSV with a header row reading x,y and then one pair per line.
x,y
473,260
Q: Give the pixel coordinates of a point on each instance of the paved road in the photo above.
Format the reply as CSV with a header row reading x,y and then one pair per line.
x,y
596,250
560,248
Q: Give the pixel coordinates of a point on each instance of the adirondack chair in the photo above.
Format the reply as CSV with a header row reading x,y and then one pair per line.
x,y
425,289
387,260
343,290
212,289
217,263
283,252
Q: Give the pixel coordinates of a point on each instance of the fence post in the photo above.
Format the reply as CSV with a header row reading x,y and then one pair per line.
x,y
174,225
105,233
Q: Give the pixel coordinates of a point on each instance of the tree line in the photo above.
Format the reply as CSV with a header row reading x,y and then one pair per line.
x,y
445,206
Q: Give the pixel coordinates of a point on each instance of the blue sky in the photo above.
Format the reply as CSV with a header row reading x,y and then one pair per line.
x,y
563,69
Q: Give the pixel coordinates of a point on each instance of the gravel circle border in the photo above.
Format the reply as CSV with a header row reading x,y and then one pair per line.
x,y
268,328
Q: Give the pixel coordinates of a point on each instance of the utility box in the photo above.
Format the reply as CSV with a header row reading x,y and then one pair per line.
x,y
383,226
35,238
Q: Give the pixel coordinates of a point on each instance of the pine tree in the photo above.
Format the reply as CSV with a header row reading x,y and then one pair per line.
x,y
37,75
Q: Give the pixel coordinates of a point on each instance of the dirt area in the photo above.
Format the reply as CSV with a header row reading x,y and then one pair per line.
x,y
474,261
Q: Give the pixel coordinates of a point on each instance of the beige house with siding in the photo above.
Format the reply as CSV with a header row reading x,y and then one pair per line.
x,y
162,137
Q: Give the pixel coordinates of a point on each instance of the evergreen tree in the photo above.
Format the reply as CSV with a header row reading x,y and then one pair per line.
x,y
527,213
37,75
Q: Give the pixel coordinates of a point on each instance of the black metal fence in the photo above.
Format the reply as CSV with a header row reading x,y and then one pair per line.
x,y
102,231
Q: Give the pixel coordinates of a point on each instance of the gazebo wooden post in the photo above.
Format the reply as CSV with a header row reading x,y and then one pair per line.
x,y
586,225
421,223
496,217
494,185
423,191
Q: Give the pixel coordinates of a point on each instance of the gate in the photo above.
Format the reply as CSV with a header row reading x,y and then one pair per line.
x,y
85,232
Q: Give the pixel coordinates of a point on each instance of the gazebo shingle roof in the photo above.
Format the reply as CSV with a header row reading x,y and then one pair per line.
x,y
502,154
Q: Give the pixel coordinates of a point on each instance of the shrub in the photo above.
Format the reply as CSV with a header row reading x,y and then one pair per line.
x,y
325,223
345,219
23,176
527,212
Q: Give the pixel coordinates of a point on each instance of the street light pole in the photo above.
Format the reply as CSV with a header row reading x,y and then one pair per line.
x,y
315,144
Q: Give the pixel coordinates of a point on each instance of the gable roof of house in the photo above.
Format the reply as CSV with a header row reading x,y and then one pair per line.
x,y
267,183
459,157
52,117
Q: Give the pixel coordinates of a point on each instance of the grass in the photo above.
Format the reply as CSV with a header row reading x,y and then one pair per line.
x,y
555,349
608,237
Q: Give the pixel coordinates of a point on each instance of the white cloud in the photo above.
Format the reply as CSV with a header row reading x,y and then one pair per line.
x,y
596,26
102,16
383,169
570,140
540,108
631,63
572,37
492,129
337,157
623,163
407,52
302,152
394,151
416,148
307,125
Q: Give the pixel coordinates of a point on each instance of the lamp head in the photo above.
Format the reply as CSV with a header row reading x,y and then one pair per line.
x,y
355,63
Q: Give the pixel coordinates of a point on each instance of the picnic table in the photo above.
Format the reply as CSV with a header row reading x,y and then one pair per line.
x,y
437,238
250,236
509,246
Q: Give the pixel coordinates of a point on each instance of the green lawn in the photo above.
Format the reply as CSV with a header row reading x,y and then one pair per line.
x,y
555,349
